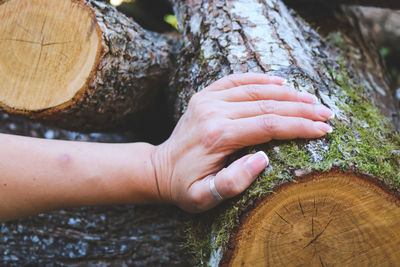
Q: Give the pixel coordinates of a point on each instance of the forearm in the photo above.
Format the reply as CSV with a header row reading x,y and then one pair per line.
x,y
38,175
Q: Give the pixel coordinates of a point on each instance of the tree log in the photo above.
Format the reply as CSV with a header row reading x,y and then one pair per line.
x,y
336,199
78,64
96,236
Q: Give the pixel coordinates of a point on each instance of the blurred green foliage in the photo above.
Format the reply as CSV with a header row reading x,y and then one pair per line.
x,y
171,19
384,51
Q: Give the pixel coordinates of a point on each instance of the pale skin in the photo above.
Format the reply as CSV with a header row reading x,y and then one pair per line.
x,y
239,110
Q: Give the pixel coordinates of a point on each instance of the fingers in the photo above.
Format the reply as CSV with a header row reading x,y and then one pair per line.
x,y
256,92
238,110
228,182
235,80
261,129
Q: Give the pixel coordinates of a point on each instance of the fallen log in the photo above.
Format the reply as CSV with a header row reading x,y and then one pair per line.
x,y
331,201
77,64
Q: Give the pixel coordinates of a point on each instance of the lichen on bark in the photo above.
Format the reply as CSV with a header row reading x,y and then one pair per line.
x,y
242,36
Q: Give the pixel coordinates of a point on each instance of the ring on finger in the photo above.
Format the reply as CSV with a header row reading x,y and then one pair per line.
x,y
214,191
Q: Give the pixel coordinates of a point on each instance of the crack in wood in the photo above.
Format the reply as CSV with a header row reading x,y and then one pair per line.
x,y
56,43
316,238
20,40
320,260
334,207
312,226
44,24
283,218
301,208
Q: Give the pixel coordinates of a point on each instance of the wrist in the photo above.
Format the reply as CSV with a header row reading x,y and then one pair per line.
x,y
162,172
144,175
134,180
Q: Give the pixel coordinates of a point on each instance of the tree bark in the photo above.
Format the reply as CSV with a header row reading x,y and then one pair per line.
x,y
89,68
223,37
93,236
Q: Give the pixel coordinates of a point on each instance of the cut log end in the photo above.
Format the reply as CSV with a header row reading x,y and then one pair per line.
x,y
332,219
49,51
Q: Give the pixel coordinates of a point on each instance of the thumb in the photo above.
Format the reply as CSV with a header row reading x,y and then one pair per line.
x,y
228,182
234,179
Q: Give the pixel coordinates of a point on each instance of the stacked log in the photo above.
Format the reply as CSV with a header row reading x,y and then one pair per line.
x,y
331,201
77,64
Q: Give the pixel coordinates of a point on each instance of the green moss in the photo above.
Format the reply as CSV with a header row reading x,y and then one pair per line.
x,y
373,139
365,144
198,243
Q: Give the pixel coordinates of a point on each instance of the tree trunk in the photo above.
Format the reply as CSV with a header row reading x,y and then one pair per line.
x,y
78,64
337,197
91,236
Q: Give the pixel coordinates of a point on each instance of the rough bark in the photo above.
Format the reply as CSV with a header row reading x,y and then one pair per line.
x,y
376,31
132,65
105,236
223,37
91,236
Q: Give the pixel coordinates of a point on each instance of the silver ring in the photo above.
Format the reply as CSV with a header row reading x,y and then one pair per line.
x,y
214,190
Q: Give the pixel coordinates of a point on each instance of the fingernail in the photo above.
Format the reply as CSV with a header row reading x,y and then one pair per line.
x,y
323,127
257,162
307,98
325,112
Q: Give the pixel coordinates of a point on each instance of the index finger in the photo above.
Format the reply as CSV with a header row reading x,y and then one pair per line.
x,y
235,80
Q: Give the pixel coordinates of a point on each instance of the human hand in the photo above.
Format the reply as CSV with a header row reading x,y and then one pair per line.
x,y
237,111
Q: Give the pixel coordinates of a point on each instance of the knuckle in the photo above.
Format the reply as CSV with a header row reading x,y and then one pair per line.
x,y
213,133
232,184
305,125
267,106
207,114
304,110
196,100
252,92
196,200
232,78
291,93
269,123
